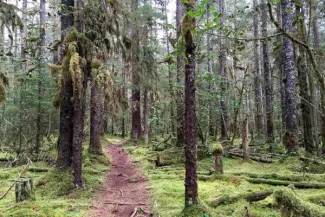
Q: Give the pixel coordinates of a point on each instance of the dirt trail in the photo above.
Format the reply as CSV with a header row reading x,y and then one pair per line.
x,y
125,189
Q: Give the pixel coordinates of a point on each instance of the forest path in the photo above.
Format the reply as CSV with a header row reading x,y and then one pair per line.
x,y
125,192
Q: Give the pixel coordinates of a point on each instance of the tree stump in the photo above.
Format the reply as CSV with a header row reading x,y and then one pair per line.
x,y
218,150
245,138
24,190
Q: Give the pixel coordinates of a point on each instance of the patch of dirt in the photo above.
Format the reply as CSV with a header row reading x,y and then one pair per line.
x,y
125,192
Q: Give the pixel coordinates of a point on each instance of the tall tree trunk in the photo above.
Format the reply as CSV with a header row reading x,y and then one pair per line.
x,y
170,76
281,75
180,78
257,80
290,138
66,106
96,115
267,77
145,115
135,51
316,44
188,27
303,80
223,74
209,67
40,74
79,103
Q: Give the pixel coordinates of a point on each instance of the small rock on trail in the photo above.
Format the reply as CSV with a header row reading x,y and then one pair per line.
x,y
125,192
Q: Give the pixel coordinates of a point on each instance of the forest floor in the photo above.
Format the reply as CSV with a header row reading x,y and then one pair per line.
x,y
225,195
125,192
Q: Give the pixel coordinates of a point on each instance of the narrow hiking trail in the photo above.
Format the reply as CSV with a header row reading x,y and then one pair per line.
x,y
125,192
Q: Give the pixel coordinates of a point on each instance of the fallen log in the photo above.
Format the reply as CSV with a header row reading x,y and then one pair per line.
x,y
296,178
250,197
286,183
292,205
258,159
314,161
38,170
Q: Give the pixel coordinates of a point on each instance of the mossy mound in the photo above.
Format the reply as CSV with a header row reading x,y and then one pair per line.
x,y
195,211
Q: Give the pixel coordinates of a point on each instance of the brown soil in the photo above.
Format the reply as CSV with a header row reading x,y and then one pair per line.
x,y
125,189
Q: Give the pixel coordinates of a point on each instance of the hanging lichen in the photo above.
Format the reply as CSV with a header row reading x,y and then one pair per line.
x,y
3,83
9,16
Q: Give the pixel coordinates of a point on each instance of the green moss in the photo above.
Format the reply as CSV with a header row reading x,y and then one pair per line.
x,y
195,211
292,205
55,193
217,148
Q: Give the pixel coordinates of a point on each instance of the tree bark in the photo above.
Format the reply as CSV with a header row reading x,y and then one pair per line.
x,y
223,75
245,138
180,78
290,138
136,113
257,80
66,106
316,44
303,80
188,27
96,115
209,69
267,77
41,45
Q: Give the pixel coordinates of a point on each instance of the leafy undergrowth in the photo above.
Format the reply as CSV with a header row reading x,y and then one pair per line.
x,y
54,190
167,183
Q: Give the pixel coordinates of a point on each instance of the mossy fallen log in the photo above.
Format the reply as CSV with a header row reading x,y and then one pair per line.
x,y
314,161
258,159
276,176
286,183
249,197
38,170
291,205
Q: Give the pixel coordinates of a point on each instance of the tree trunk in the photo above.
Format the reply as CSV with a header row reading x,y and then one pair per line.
x,y
188,27
245,139
316,44
281,75
79,103
180,78
209,69
40,75
303,80
145,115
290,138
257,80
136,113
96,115
267,77
223,74
66,106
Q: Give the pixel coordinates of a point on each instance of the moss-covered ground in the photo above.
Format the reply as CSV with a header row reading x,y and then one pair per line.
x,y
54,190
167,184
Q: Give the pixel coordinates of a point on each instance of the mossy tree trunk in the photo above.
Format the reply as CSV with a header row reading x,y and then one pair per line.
x,y
135,52
188,28
39,134
179,78
257,79
66,105
267,77
303,81
223,74
290,138
96,115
